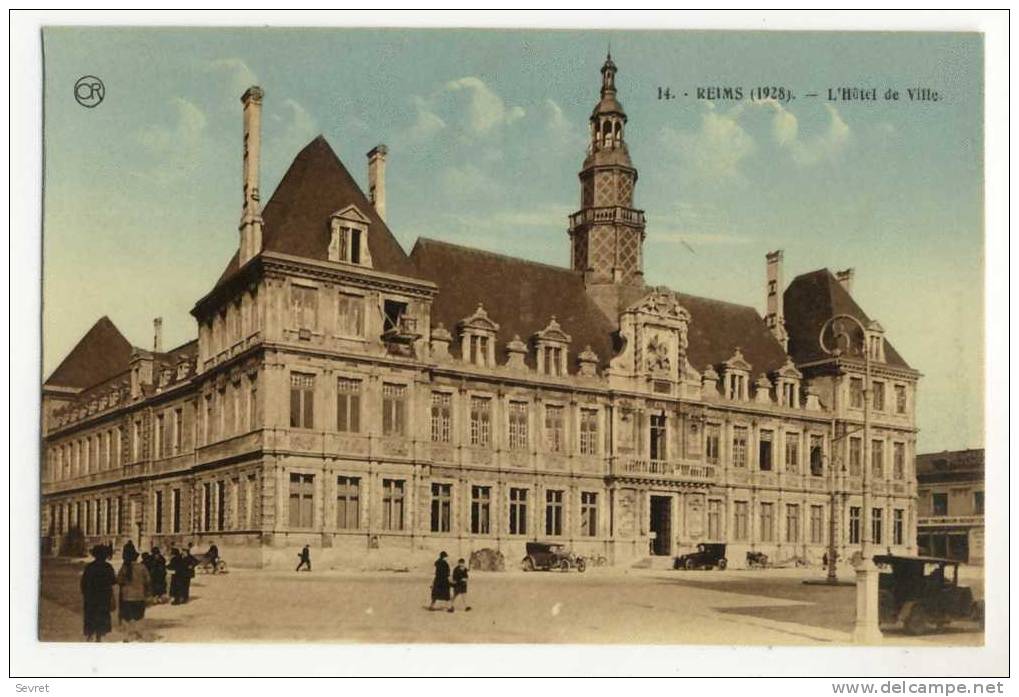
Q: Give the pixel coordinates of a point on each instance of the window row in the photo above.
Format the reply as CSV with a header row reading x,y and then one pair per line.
x,y
878,396
93,453
877,526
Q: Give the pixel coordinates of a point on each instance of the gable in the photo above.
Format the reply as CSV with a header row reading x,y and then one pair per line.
x,y
100,355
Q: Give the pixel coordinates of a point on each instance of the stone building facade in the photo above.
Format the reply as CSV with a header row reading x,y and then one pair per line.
x,y
950,504
377,404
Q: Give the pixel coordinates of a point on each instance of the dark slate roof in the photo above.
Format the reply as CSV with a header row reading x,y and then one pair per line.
x,y
717,328
520,296
100,355
950,461
296,219
809,301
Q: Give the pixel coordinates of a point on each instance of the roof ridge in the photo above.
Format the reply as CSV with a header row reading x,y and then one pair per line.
x,y
488,252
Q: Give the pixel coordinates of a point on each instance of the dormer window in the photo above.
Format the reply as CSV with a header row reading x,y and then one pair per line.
x,y
477,339
737,378
876,342
348,240
787,385
551,346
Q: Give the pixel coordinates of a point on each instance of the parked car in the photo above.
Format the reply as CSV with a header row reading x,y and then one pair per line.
x,y
757,560
923,593
546,556
709,555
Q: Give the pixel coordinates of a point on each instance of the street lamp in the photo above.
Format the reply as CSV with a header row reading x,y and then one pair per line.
x,y
866,630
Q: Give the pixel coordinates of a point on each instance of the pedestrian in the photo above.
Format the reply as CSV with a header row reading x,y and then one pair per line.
x,y
440,584
157,571
213,556
190,563
305,557
97,583
134,582
129,549
179,568
460,585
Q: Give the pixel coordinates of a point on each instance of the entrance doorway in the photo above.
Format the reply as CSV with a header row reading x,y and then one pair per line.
x,y
661,525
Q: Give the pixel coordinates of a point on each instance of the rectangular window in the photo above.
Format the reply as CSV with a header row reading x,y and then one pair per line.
x,y
136,442
481,510
553,512
816,525
978,503
175,511
554,428
350,315
588,431
209,420
302,400
714,519
856,393
206,506
481,421
900,399
518,426
879,396
898,526
392,504
764,451
767,522
741,520
252,402
348,405
939,504
442,417
348,496
304,306
302,500
792,522
394,409
816,455
659,437
898,460
877,517
159,512
109,517
739,446
518,512
877,459
178,430
251,500
854,525
855,457
221,505
792,452
712,443
588,514
442,506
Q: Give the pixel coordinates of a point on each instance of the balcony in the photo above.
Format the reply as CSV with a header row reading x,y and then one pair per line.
x,y
608,214
671,470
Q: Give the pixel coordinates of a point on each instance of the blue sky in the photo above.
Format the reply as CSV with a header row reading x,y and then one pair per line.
x,y
486,132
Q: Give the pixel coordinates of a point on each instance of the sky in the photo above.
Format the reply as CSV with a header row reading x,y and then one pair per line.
x,y
486,133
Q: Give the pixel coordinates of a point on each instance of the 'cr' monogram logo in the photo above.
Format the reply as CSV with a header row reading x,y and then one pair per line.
x,y
89,91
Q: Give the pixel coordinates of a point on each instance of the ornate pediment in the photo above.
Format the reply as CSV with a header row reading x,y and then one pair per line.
x,y
351,213
479,321
662,303
737,362
553,333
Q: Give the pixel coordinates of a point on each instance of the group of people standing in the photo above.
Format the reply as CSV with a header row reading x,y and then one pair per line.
x,y
138,584
442,587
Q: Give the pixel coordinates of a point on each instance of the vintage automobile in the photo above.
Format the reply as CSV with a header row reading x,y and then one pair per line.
x,y
709,555
203,564
757,560
923,593
547,556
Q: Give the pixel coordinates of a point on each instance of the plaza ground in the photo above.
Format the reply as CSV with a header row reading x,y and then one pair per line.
x,y
603,605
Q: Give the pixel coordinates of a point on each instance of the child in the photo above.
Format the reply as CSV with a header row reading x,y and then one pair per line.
x,y
460,585
305,557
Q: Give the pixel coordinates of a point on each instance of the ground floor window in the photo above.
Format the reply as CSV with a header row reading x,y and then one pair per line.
x,y
767,522
741,521
816,524
174,504
159,512
588,514
876,523
854,525
302,499
221,506
392,504
792,522
481,509
207,504
442,504
553,512
518,512
898,526
348,495
714,519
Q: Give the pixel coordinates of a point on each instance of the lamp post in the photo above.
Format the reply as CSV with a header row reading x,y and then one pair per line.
x,y
866,629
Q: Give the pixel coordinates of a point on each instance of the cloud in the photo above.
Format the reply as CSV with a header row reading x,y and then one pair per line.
x,y
175,149
236,72
486,110
467,182
718,148
820,147
300,125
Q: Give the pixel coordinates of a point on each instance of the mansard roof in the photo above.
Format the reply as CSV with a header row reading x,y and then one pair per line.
x,y
98,356
809,301
717,328
297,217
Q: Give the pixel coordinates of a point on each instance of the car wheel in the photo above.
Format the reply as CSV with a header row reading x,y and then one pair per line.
x,y
527,564
722,563
689,565
581,565
917,621
675,563
564,565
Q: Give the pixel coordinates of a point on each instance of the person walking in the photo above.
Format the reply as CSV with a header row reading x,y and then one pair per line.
x,y
180,570
97,581
129,549
305,557
133,580
213,556
460,585
190,563
157,571
440,584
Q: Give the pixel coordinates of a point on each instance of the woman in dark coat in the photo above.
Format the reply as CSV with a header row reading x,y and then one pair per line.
x,y
157,571
97,583
180,569
440,585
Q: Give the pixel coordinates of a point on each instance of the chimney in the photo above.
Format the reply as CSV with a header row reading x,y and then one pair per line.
x,y
251,215
774,317
157,335
845,277
377,179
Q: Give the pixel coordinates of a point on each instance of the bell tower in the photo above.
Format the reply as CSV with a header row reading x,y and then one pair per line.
x,y
607,233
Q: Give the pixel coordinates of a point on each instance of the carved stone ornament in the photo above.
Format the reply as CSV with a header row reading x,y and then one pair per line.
x,y
658,356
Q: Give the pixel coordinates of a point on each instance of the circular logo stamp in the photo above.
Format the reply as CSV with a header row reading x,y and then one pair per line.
x,y
89,91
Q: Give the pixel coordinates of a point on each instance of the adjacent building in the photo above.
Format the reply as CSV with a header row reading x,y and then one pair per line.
x,y
345,394
950,493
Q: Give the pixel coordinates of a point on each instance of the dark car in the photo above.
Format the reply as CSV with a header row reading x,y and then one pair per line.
x,y
709,555
921,593
550,555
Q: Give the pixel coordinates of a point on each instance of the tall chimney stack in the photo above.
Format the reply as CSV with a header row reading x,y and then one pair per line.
x,y
775,317
845,277
251,215
377,179
157,335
